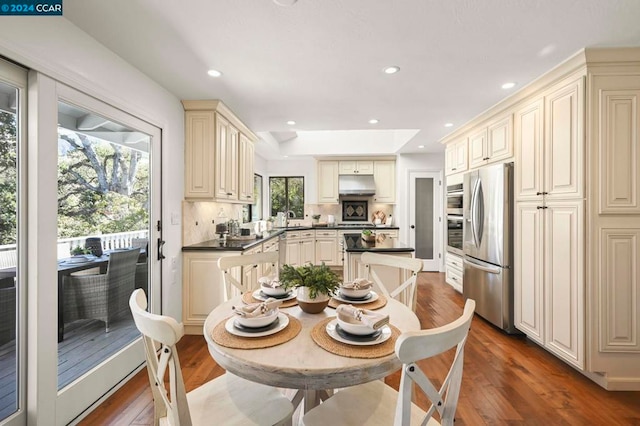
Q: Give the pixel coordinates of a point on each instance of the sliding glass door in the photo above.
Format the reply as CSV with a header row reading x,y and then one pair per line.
x,y
13,82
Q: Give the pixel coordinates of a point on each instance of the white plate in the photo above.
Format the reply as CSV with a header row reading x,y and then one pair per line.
x,y
373,298
284,321
331,331
261,296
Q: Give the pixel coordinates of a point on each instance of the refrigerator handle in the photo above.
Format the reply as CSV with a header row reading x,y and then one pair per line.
x,y
490,269
474,213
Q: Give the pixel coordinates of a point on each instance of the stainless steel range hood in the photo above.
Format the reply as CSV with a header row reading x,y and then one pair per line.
x,y
356,185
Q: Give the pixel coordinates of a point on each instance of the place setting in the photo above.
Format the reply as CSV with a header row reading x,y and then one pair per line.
x,y
356,333
358,292
271,287
256,325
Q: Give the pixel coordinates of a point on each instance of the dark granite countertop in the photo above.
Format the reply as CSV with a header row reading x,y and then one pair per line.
x,y
241,245
355,243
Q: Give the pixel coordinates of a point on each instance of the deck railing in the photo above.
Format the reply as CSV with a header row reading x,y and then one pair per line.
x,y
118,240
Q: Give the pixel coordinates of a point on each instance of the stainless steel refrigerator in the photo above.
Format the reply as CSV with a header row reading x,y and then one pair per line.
x,y
488,243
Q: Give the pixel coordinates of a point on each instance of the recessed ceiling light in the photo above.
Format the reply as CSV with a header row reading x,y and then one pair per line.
x,y
509,85
291,123
285,156
214,73
285,2
374,121
391,70
448,124
420,146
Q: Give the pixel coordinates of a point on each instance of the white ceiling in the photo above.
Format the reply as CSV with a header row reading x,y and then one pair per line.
x,y
319,62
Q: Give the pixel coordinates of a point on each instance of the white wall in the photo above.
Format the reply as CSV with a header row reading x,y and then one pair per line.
x,y
54,46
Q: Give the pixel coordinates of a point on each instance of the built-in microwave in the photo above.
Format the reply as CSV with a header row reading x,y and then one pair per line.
x,y
454,234
454,199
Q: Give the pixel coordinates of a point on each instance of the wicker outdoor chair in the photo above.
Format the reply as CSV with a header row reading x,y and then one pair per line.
x,y
7,310
103,296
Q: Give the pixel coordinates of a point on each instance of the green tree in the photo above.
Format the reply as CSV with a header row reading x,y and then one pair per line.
x,y
8,178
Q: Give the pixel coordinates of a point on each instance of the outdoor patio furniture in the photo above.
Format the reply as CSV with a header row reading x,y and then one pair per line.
x,y
142,275
102,296
7,310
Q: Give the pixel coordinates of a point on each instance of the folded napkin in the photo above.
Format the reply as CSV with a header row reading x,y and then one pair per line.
x,y
257,309
270,281
358,283
372,319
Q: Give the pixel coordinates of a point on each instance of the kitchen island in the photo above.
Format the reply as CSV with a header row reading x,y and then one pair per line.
x,y
354,246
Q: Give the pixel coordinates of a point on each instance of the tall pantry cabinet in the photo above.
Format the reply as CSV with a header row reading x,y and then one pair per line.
x,y
577,212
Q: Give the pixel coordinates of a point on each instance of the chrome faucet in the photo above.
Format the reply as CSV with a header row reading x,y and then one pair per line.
x,y
290,214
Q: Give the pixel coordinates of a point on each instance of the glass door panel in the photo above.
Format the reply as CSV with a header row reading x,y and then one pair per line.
x,y
12,330
425,226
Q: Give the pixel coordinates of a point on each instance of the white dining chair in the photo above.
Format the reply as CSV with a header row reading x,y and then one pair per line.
x,y
228,399
376,403
407,274
234,269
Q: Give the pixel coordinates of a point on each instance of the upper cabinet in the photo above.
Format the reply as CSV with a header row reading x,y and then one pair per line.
x,y
491,143
356,167
384,175
219,153
456,157
328,182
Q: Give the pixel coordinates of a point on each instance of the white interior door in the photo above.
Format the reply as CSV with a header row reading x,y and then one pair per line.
x,y
425,218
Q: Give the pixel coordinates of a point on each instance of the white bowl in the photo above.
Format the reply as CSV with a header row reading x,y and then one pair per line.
x,y
354,293
257,322
354,326
271,291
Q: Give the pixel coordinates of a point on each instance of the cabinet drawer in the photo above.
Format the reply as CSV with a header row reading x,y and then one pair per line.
x,y
308,234
293,235
327,233
454,277
390,234
454,262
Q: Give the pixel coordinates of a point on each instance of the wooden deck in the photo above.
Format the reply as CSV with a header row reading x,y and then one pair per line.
x,y
85,345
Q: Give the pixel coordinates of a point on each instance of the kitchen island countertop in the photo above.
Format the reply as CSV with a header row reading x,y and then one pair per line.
x,y
382,243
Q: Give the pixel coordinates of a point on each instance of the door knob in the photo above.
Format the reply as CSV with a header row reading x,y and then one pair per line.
x,y
412,226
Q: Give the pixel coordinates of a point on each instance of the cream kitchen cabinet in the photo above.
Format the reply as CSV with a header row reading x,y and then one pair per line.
x,y
384,175
328,172
551,162
491,143
549,268
250,274
326,247
456,160
356,167
247,165
454,271
300,247
219,153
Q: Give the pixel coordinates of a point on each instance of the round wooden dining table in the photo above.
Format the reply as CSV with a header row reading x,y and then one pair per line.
x,y
300,363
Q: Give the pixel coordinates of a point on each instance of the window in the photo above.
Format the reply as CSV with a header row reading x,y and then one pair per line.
x,y
287,195
256,207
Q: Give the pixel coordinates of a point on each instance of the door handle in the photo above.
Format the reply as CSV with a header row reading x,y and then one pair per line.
x,y
489,269
412,227
160,247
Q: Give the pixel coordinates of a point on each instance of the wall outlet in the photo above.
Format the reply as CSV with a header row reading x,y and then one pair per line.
x,y
175,218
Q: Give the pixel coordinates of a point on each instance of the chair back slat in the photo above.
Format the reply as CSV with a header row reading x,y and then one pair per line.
x,y
233,270
407,269
163,331
417,345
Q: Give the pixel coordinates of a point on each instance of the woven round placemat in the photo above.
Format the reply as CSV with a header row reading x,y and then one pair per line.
x,y
376,304
322,339
222,337
248,299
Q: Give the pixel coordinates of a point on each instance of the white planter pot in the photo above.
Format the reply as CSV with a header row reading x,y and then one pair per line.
x,y
309,305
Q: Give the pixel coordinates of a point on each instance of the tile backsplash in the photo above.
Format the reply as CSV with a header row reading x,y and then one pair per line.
x,y
198,219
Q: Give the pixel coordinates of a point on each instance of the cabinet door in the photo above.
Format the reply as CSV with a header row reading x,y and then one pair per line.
x,y
564,141
384,175
222,164
233,146
500,139
250,274
348,167
199,154
529,162
528,270
461,160
326,251
246,161
364,167
564,280
307,251
328,182
450,159
293,252
202,286
478,148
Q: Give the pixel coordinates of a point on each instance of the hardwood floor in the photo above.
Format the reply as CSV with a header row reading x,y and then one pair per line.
x,y
507,380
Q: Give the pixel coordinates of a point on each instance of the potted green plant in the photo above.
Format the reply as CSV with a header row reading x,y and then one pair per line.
x,y
315,284
367,235
78,251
